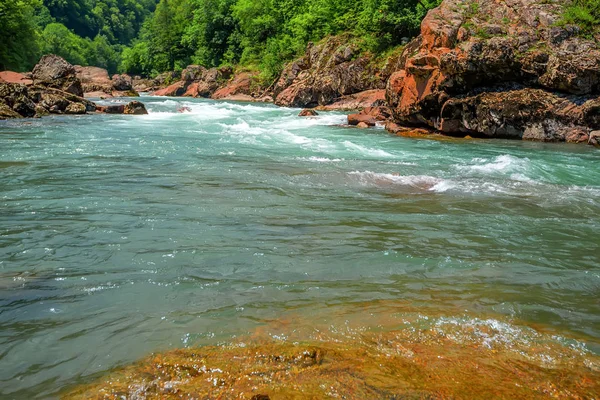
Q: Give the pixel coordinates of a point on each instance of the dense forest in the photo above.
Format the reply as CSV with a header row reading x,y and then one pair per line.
x,y
147,37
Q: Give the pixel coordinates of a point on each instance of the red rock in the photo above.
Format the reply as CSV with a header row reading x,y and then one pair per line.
x,y
15,77
307,112
240,84
369,116
357,101
460,82
176,89
362,125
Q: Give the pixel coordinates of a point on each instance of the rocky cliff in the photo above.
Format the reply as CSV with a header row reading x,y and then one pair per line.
x,y
505,68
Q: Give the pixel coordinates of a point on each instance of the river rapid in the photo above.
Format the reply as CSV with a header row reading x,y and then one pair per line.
x,y
121,236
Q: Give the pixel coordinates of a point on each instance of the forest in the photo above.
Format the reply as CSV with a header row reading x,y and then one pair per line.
x,y
147,37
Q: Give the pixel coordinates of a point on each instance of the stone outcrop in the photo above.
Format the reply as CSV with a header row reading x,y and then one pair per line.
x,y
42,97
54,72
96,83
498,69
327,72
242,84
18,101
197,81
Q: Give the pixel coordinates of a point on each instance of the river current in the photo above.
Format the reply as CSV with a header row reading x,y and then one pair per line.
x,y
126,235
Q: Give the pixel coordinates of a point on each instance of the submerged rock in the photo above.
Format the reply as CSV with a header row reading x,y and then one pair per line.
x,y
307,112
135,108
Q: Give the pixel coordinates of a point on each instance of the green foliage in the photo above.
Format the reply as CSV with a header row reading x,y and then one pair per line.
x,y
585,14
147,37
18,45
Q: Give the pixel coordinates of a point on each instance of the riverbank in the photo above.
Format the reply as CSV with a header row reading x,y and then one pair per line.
x,y
367,356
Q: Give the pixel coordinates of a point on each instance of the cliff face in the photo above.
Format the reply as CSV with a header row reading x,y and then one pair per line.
x,y
326,73
501,68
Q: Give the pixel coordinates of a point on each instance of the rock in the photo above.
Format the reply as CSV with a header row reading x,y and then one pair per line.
x,y
514,80
100,94
531,114
325,73
17,98
369,116
54,72
15,77
75,108
165,79
176,89
362,125
122,82
135,108
36,101
358,118
41,111
7,112
111,109
241,84
357,101
307,112
193,73
93,80
594,138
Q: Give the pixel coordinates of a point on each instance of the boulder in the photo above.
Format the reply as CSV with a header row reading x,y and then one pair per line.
x,y
135,108
176,89
369,116
111,109
6,112
241,84
307,112
362,125
54,72
193,73
75,108
93,79
17,98
122,83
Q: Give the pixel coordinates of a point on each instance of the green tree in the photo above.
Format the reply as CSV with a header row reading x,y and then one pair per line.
x,y
19,48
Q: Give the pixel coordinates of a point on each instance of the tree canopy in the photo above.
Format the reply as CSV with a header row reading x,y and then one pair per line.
x,y
151,36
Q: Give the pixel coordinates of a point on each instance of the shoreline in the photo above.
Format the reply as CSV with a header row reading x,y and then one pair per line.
x,y
431,356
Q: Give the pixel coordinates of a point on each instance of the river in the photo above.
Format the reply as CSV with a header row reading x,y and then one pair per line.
x,y
126,235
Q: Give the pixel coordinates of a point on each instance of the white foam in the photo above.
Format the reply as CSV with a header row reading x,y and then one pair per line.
x,y
424,182
320,159
366,151
503,163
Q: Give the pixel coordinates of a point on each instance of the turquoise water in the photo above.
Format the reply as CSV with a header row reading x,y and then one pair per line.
x,y
124,235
